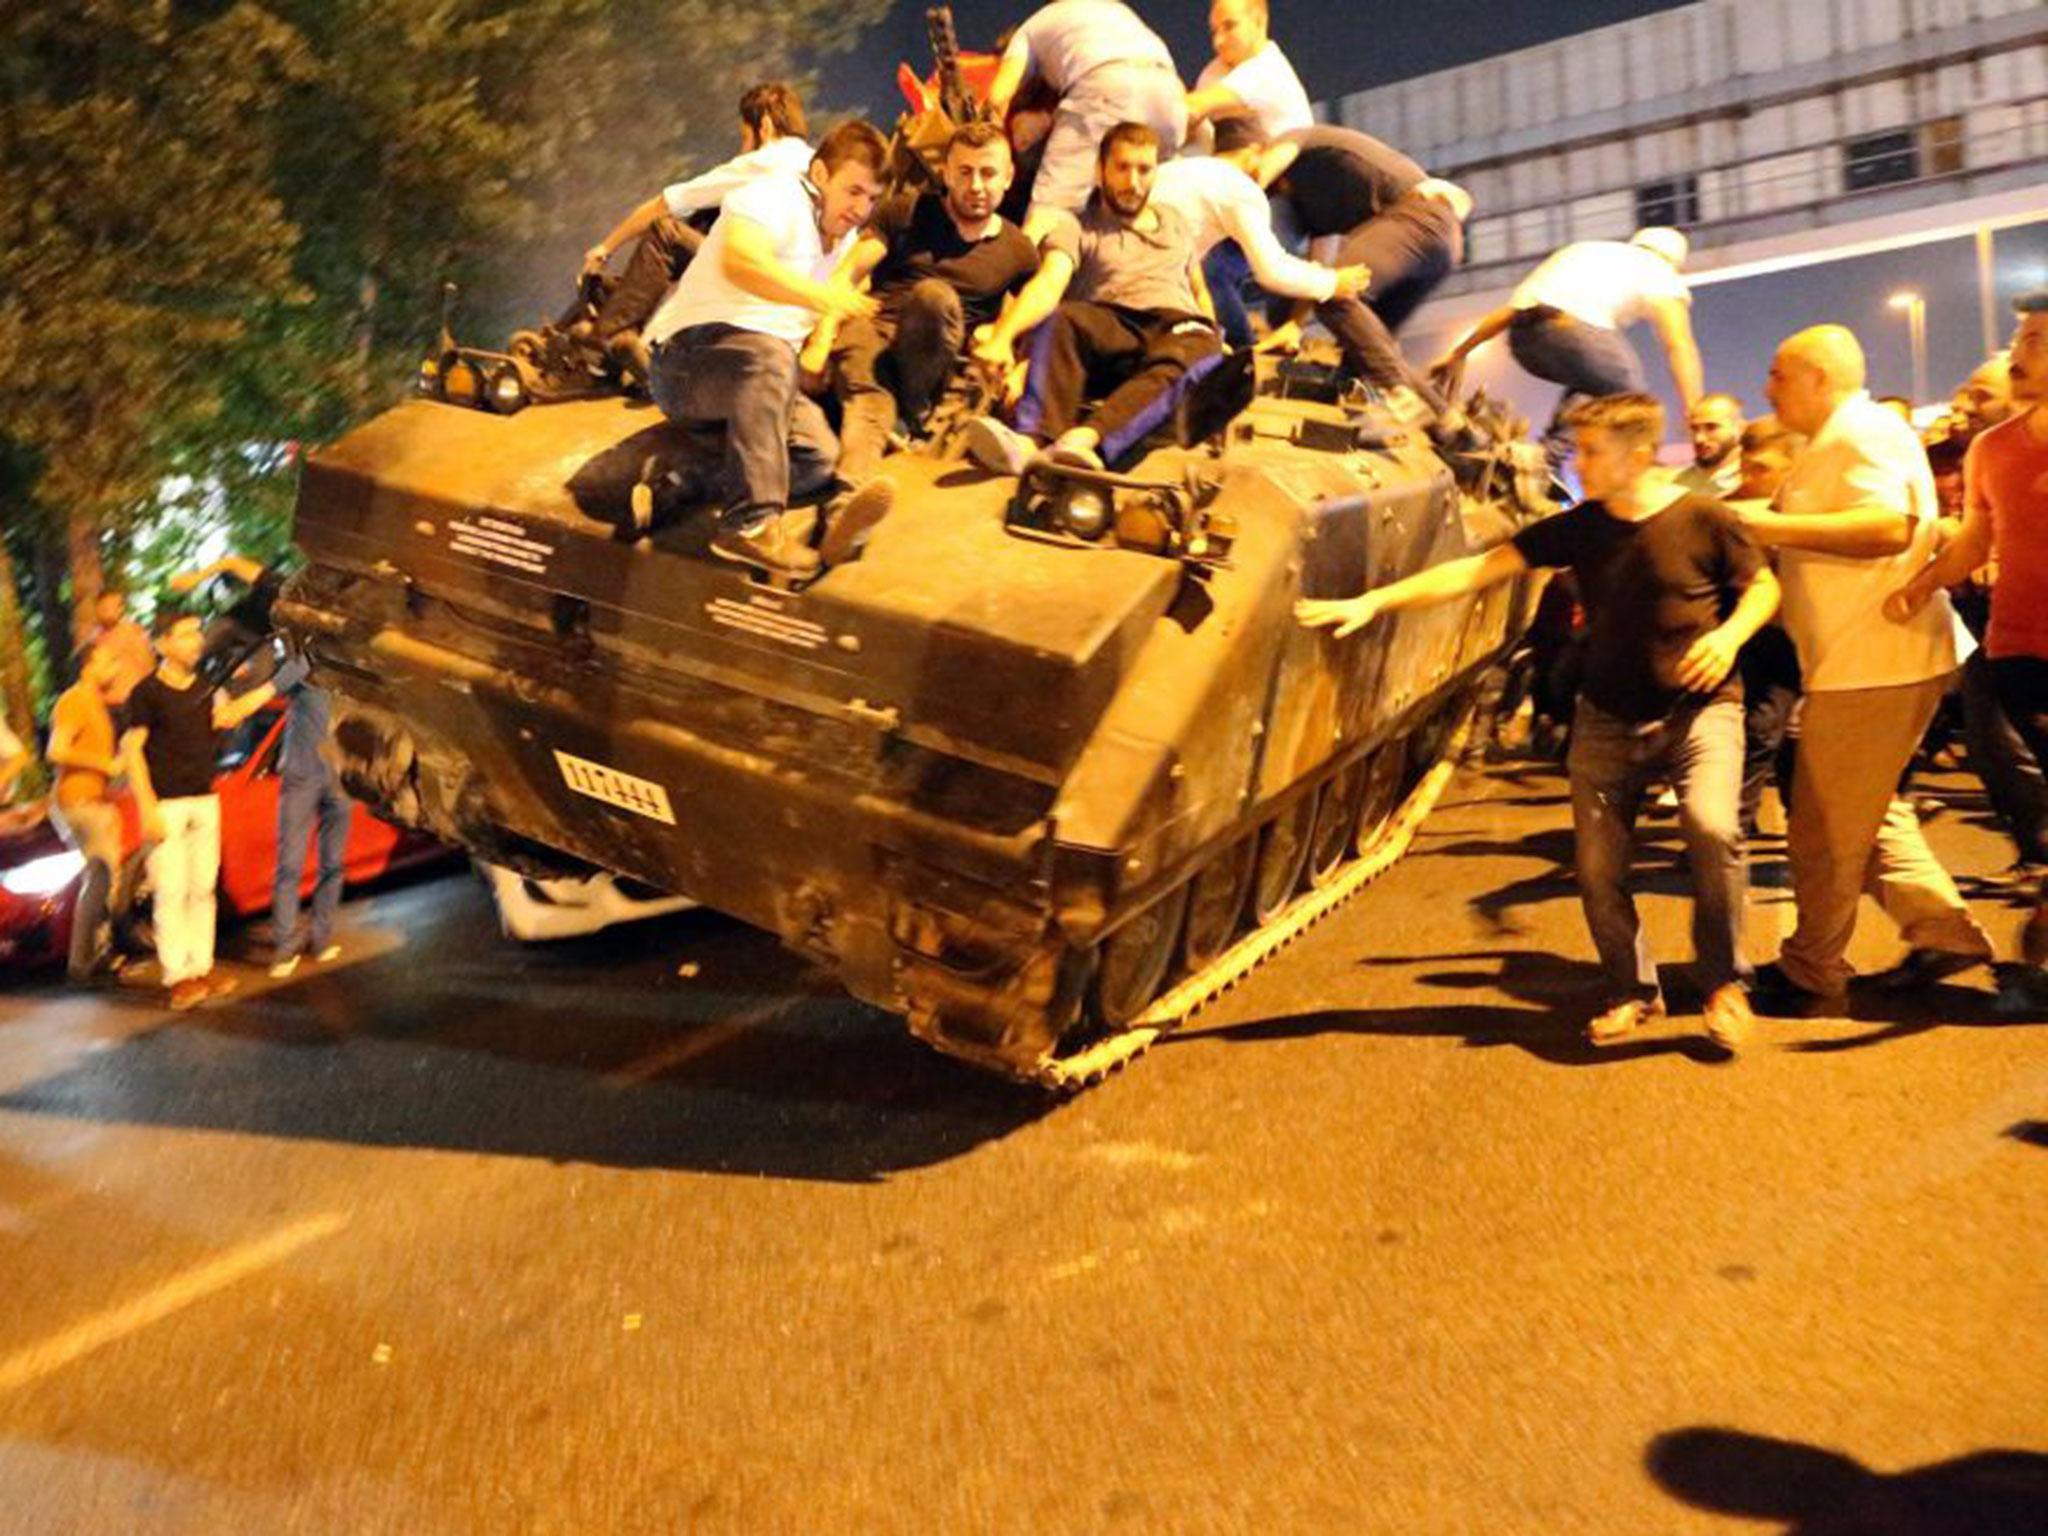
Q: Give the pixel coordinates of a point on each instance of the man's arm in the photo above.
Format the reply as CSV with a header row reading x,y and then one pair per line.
x,y
1672,320
1438,584
1964,553
1866,531
854,271
1010,73
1280,271
631,227
241,567
1217,100
996,351
752,267
138,780
1480,334
229,713
1709,659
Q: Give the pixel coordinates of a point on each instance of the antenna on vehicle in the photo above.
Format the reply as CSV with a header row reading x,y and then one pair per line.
x,y
449,293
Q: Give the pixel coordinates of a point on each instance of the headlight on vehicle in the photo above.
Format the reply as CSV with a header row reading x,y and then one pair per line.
x,y
459,382
429,382
1086,513
45,876
508,391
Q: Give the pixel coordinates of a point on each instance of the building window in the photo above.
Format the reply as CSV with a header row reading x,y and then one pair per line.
x,y
1941,145
1881,159
1675,202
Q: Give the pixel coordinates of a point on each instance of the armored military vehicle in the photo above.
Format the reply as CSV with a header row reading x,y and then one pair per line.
x,y
1046,768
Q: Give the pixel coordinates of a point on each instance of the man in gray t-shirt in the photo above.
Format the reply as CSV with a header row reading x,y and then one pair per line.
x,y
1118,293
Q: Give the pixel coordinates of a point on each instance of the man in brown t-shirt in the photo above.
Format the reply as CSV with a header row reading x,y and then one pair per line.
x,y
82,745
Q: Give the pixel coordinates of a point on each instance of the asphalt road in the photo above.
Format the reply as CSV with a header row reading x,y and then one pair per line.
x,y
459,1237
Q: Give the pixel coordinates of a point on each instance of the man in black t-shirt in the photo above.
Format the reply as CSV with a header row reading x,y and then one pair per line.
x,y
1361,203
1672,589
174,723
940,265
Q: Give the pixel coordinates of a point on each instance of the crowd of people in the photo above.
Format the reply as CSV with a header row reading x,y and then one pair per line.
x,y
1094,246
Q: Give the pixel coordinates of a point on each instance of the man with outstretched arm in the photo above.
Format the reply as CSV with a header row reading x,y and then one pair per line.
x,y
1672,590
1119,297
1567,322
939,264
2005,521
725,344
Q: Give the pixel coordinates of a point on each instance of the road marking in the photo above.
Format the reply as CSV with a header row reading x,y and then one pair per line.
x,y
697,1043
179,1292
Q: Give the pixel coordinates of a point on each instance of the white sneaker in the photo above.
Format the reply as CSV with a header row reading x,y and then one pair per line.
x,y
329,955
998,447
288,966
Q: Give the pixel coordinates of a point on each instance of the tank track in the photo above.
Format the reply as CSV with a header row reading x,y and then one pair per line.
x,y
1085,1068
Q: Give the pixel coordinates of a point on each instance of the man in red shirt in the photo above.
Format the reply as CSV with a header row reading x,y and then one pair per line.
x,y
2005,521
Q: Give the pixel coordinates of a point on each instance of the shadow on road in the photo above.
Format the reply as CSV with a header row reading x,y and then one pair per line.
x,y
594,1050
1819,1492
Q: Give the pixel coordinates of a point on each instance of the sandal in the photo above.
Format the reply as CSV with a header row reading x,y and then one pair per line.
x,y
1622,1020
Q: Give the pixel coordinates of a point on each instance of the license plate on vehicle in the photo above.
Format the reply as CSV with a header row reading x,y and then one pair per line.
x,y
623,791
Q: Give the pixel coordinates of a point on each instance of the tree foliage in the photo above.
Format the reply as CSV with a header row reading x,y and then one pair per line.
x,y
225,224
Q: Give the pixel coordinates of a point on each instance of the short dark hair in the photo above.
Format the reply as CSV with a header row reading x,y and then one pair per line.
x,y
1140,134
1635,419
1770,432
977,136
1240,131
773,102
2033,302
168,619
854,140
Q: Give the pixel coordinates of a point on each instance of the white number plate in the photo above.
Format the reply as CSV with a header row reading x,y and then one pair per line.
x,y
640,796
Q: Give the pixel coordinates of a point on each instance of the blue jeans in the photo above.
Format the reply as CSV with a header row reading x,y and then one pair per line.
x,y
303,800
1610,763
1588,361
1227,273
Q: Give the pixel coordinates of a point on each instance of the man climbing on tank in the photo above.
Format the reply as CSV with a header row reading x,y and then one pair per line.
x,y
1567,321
666,226
724,347
1673,588
1362,203
1106,67
939,265
1117,297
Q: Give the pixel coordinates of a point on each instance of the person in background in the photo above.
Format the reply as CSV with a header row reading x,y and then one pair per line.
x,y
1715,425
772,139
134,656
174,721
246,623
14,761
310,801
1566,322
1854,519
1105,67
82,750
2005,520
1769,663
1249,76
1673,590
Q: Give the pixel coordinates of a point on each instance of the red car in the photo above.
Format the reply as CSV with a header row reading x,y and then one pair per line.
x,y
39,874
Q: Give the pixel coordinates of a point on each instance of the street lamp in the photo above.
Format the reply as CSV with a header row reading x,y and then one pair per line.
x,y
1916,332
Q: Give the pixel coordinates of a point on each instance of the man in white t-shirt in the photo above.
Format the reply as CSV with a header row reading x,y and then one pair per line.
x,y
772,140
1107,67
1853,521
725,344
1565,322
1250,75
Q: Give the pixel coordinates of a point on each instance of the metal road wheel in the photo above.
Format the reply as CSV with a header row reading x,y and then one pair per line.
x,y
1329,845
1283,850
1216,903
1135,959
1379,794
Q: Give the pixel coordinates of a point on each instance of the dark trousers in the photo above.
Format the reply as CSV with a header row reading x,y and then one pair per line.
x,y
1139,361
893,365
2005,750
658,259
1588,361
2022,686
1770,718
304,801
1410,249
776,439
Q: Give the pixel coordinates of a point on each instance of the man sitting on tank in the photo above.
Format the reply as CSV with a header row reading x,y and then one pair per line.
x,y
1120,297
772,139
1673,589
724,350
938,264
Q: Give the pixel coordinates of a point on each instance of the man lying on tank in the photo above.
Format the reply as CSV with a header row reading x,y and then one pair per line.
x,y
772,139
1672,588
1362,203
1218,195
1104,66
1118,299
725,343
938,264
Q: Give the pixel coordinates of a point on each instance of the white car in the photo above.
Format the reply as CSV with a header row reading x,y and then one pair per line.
x,y
536,911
